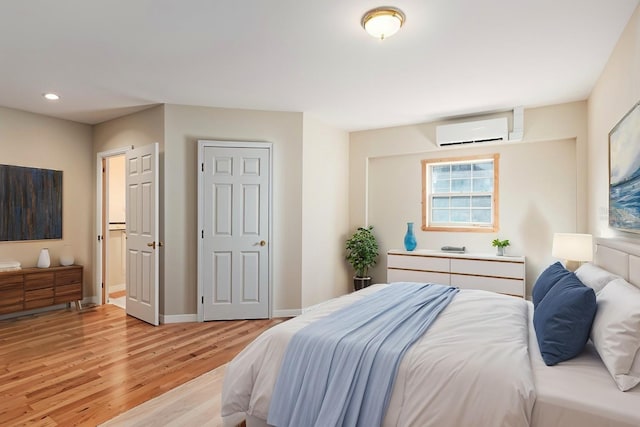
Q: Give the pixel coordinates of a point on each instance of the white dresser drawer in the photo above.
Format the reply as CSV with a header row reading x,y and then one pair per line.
x,y
512,270
494,284
416,262
394,275
502,274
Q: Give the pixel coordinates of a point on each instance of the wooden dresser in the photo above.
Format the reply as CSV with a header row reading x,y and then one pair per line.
x,y
39,287
502,274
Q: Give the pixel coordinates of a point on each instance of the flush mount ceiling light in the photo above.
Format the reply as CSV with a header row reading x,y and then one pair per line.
x,y
51,96
383,22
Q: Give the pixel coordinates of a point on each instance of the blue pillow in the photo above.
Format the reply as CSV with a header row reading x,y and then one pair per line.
x,y
563,320
546,280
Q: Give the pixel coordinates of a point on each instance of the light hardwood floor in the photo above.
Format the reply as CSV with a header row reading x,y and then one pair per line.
x,y
83,368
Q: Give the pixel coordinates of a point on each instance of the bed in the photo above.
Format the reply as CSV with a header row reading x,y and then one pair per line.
x,y
478,364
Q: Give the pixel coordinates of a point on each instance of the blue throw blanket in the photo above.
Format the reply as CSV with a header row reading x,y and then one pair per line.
x,y
339,371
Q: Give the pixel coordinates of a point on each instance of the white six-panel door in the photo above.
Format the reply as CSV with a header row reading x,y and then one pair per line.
x,y
234,261
142,233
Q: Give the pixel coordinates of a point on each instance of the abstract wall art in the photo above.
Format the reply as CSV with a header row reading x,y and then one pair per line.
x,y
30,203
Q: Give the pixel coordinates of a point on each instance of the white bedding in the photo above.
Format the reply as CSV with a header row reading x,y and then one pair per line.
x,y
579,392
470,368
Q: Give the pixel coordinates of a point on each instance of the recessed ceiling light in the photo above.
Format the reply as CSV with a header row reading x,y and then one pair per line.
x,y
383,22
51,96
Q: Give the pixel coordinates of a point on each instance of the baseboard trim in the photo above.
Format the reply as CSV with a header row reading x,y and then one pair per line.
x,y
178,318
287,313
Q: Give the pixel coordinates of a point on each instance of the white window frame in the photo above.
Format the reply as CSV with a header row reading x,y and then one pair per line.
x,y
427,195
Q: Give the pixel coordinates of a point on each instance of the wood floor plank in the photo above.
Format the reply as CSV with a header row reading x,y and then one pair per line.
x,y
84,368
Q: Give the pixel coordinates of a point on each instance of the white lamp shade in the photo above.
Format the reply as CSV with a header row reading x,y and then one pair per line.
x,y
572,246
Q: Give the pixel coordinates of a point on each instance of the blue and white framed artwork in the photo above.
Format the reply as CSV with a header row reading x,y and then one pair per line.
x,y
624,172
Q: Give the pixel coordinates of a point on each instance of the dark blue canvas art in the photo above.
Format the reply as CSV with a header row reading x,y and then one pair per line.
x,y
624,172
30,203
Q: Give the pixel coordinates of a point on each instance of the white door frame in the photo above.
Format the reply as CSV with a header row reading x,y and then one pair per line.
x,y
102,155
231,144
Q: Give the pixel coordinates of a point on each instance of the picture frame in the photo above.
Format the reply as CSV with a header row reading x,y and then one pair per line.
x,y
624,172
30,203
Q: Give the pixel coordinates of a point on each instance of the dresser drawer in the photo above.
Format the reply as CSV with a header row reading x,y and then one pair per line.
x,y
11,297
66,277
394,275
504,269
420,263
494,284
5,309
10,278
37,303
34,294
38,280
66,293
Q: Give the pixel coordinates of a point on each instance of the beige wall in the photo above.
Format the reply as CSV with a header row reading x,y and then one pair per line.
x,y
115,166
385,186
616,92
116,243
325,212
33,140
185,125
116,262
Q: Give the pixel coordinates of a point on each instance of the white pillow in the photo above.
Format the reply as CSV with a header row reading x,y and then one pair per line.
x,y
594,277
616,332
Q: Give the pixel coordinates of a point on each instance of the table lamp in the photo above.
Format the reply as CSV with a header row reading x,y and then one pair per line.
x,y
573,248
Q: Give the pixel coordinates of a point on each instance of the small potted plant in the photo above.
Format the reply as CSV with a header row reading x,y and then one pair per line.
x,y
362,251
500,245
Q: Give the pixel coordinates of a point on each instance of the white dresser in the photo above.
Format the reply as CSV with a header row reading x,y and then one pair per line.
x,y
502,274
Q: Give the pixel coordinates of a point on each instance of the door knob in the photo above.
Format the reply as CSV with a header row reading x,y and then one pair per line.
x,y
152,245
262,243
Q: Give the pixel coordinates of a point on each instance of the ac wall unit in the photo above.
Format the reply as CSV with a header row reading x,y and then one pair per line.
x,y
473,132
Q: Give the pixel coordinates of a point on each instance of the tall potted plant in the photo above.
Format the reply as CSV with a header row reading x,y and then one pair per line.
x,y
362,251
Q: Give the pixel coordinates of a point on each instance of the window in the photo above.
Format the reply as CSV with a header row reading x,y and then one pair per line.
x,y
460,194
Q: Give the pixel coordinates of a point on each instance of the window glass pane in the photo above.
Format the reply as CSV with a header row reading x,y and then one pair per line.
x,y
460,185
483,185
461,202
481,201
461,171
441,186
440,202
481,216
440,215
460,215
484,169
441,171
460,194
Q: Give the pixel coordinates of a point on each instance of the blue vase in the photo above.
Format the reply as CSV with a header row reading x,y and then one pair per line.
x,y
410,238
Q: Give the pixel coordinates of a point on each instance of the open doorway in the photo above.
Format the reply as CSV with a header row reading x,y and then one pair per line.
x,y
115,236
138,250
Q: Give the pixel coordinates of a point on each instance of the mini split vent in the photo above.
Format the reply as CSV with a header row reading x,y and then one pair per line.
x,y
473,132
481,130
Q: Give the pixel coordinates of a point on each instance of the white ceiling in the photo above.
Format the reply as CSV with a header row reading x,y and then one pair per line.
x,y
452,57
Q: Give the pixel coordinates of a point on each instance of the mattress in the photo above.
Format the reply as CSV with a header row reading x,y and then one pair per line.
x,y
579,392
470,368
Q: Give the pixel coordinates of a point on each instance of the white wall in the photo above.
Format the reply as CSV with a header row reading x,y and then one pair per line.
x,y
616,92
536,198
325,212
34,140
